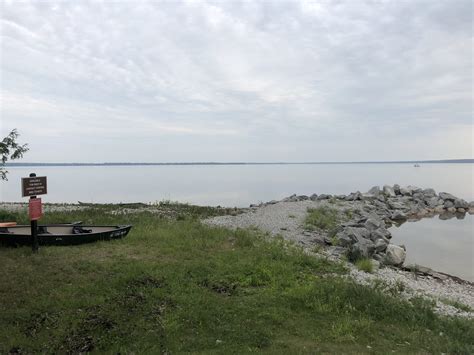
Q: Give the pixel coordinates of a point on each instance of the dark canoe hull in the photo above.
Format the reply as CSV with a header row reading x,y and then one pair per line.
x,y
13,237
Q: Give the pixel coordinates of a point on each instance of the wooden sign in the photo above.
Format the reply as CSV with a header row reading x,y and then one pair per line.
x,y
33,186
35,209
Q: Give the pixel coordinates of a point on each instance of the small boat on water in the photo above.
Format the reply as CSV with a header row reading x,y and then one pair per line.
x,y
61,234
416,165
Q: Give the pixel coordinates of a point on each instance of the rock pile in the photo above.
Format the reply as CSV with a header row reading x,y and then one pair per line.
x,y
366,234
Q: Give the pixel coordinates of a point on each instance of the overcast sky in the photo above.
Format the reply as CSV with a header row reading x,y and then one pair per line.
x,y
90,81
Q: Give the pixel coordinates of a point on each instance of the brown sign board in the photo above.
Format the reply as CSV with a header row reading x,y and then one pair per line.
x,y
33,186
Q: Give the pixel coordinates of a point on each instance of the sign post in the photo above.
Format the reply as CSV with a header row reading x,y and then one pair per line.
x,y
33,186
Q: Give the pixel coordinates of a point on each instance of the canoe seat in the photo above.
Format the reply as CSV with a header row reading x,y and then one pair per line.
x,y
80,230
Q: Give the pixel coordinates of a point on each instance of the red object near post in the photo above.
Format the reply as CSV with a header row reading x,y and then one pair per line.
x,y
35,209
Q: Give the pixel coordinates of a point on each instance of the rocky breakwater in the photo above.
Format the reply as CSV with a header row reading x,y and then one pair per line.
x,y
366,234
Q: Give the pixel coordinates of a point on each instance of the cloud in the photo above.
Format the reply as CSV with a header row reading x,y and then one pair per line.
x,y
269,80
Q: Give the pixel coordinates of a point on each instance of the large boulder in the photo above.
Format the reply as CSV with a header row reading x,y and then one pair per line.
x,y
362,249
394,255
374,190
429,193
398,216
313,197
396,205
414,189
373,224
381,233
396,188
460,203
448,204
323,197
405,192
388,191
447,197
351,235
434,201
381,245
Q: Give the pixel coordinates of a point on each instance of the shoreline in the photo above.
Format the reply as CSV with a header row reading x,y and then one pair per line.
x,y
364,234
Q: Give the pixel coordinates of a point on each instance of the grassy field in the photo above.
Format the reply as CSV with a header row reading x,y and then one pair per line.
x,y
174,286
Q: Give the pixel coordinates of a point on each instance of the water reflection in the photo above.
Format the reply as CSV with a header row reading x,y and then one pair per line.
x,y
442,242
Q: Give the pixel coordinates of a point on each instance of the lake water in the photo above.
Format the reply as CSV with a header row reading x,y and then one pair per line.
x,y
232,185
442,245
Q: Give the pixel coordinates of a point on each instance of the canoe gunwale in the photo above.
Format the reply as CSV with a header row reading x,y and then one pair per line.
x,y
114,232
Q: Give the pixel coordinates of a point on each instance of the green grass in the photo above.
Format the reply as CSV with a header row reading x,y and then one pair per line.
x,y
365,265
176,286
458,305
324,218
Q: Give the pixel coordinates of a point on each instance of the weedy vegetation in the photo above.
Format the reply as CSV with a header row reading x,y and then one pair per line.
x,y
174,285
324,218
365,265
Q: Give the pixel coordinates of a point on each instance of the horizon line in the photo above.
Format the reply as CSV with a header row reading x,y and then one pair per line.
x,y
19,164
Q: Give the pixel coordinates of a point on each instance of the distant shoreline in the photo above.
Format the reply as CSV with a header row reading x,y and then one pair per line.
x,y
445,161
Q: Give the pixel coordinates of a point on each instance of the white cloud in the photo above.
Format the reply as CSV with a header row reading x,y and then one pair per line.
x,y
277,80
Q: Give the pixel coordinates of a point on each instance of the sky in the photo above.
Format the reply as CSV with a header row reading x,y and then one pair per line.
x,y
152,81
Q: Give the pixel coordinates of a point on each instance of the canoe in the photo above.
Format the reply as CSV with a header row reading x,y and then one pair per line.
x,y
65,234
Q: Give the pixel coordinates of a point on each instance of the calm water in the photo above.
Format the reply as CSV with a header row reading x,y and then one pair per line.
x,y
443,245
230,185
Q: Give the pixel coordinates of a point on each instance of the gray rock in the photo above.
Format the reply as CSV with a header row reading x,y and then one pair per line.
x,y
451,209
448,204
272,202
313,197
343,240
303,198
471,204
291,198
460,203
362,249
405,192
429,192
414,189
447,197
381,245
323,197
388,191
353,234
373,224
378,257
381,233
368,197
434,201
374,190
394,255
398,216
461,210
354,196
340,197
396,188
396,205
